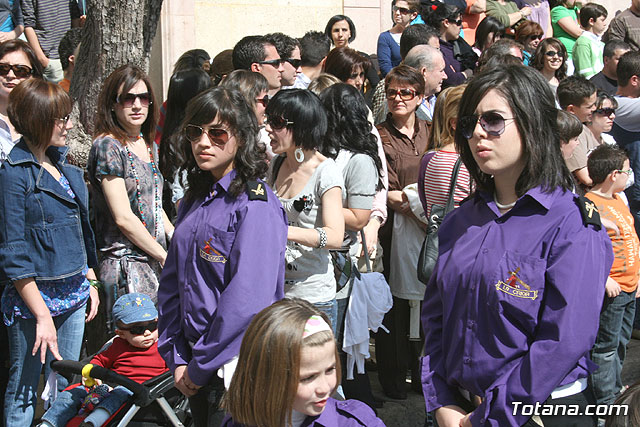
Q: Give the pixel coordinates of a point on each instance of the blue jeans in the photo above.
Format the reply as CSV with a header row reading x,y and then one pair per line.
x,y
609,351
68,403
330,308
24,371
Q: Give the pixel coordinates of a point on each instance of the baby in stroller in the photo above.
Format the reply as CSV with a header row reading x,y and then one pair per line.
x,y
133,353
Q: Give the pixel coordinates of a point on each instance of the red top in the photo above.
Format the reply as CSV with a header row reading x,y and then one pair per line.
x,y
138,364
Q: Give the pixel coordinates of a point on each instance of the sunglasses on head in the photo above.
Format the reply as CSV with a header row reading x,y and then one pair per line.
x,y
264,100
141,329
128,99
405,94
20,71
277,122
295,63
492,123
605,111
402,10
551,53
273,62
218,136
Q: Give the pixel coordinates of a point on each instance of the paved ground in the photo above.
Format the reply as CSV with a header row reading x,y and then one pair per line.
x,y
411,412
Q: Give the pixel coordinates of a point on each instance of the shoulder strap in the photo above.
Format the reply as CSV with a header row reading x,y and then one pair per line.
x,y
277,163
256,190
452,185
589,212
426,158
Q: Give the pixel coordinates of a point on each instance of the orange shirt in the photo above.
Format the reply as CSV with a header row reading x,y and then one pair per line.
x,y
626,263
65,84
470,23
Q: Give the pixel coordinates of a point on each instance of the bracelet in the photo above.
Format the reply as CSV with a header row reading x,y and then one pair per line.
x,y
322,237
95,284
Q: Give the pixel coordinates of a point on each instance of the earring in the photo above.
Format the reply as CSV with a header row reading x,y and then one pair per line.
x,y
299,155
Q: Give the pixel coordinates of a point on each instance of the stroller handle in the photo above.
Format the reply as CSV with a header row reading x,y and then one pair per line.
x,y
140,392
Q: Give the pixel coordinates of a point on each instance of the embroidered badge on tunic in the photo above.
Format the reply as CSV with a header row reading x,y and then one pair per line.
x,y
514,286
210,254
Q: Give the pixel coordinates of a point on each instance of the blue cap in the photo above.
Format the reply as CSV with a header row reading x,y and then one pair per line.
x,y
134,308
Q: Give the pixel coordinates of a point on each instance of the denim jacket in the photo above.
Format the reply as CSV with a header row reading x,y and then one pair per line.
x,y
44,233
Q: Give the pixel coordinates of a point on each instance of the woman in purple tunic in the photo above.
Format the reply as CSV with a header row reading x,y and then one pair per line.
x,y
512,308
226,259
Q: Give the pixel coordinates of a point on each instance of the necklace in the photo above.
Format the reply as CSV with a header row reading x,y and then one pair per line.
x,y
156,193
501,206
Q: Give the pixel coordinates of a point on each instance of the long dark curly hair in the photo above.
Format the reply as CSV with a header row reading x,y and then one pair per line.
x,y
348,127
229,107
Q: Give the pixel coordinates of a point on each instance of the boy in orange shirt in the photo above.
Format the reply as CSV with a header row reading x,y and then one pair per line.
x,y
609,169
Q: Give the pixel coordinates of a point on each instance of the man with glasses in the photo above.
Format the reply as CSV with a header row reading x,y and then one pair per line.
x,y
257,54
607,79
315,47
289,50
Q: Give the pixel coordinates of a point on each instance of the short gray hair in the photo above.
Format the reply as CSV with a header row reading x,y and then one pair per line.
x,y
422,56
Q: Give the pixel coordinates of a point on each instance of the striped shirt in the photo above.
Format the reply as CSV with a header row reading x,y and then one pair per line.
x,y
437,179
50,19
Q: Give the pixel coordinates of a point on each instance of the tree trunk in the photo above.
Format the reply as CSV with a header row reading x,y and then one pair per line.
x,y
116,33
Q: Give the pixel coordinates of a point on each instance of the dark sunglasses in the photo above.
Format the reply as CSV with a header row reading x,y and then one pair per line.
x,y
605,111
551,53
295,63
405,94
536,37
141,329
264,100
217,136
273,62
277,122
128,99
20,71
492,123
402,10
458,22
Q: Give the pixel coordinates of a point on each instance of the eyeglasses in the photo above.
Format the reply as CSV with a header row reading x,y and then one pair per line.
x,y
20,71
264,100
218,136
64,120
128,99
141,329
627,171
402,10
273,62
492,123
295,63
536,36
405,94
277,122
605,111
552,53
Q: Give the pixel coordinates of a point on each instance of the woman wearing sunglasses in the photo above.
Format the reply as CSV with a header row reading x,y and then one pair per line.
x,y
530,34
512,309
603,117
460,59
46,243
403,13
309,186
132,228
404,139
226,261
17,63
550,58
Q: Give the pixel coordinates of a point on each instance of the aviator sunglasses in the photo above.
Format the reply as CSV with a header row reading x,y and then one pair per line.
x,y
277,122
20,71
492,123
141,329
405,94
128,99
218,136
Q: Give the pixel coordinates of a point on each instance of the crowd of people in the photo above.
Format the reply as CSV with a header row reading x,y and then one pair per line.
x,y
224,233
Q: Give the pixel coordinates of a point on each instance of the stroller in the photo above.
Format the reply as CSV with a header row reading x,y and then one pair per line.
x,y
155,402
